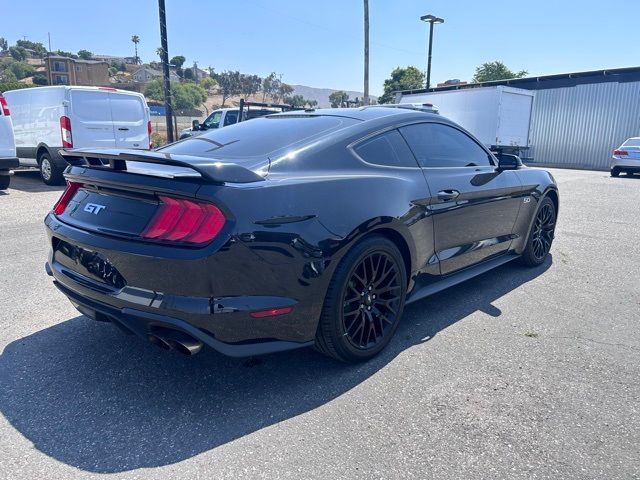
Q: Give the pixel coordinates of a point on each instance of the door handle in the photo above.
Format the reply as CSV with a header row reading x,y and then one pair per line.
x,y
124,129
445,195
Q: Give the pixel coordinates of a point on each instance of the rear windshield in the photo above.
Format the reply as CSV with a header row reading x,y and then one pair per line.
x,y
632,142
259,137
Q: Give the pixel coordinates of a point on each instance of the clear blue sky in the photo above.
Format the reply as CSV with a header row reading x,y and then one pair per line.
x,y
319,43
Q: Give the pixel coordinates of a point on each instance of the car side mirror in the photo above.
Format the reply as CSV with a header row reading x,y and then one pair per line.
x,y
195,125
506,161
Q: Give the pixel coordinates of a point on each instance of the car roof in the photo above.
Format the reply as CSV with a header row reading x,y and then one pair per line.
x,y
362,113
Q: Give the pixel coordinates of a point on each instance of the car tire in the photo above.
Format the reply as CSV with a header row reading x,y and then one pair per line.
x,y
615,171
364,301
5,180
541,234
49,172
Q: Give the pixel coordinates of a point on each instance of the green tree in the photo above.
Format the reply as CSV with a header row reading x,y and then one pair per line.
x,y
38,49
12,85
185,96
7,76
154,90
296,101
228,84
193,96
337,98
496,70
18,53
208,83
284,90
4,45
250,84
188,74
21,69
311,103
270,85
178,61
85,54
123,67
401,79
62,53
136,40
40,79
113,71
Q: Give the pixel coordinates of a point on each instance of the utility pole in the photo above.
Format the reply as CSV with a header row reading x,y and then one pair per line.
x,y
366,52
165,70
50,77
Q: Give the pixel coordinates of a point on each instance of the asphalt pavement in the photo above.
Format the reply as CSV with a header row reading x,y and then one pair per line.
x,y
519,373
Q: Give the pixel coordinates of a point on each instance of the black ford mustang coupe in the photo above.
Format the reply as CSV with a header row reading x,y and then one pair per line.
x,y
291,230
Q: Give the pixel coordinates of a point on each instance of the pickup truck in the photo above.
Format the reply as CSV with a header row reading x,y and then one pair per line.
x,y
223,117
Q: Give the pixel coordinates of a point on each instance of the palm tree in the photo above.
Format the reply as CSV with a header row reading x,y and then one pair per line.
x,y
366,52
136,40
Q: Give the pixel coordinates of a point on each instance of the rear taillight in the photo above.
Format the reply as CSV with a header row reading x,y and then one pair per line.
x,y
150,131
620,153
65,131
180,220
4,106
67,195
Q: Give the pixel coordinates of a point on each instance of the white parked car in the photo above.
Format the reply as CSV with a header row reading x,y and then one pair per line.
x,y
626,158
46,119
8,159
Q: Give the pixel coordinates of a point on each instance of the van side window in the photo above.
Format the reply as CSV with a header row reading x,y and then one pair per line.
x,y
388,149
439,145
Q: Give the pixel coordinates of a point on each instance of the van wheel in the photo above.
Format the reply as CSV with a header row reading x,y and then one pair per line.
x,y
5,180
49,172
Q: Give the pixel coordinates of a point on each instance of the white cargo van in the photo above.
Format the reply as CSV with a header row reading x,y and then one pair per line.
x,y
46,119
8,160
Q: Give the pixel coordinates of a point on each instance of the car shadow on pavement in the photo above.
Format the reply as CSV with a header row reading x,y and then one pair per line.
x,y
87,395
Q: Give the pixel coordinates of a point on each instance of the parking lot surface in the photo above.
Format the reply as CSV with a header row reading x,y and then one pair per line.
x,y
519,373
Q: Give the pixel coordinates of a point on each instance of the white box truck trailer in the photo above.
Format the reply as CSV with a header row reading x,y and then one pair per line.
x,y
46,119
499,116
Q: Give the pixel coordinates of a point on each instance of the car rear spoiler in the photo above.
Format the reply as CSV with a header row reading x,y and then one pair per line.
x,y
209,169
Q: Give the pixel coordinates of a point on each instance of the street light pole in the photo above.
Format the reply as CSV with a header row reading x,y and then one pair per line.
x,y
165,70
366,52
432,20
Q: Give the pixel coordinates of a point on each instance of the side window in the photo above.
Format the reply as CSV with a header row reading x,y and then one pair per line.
x,y
214,120
388,149
438,145
230,118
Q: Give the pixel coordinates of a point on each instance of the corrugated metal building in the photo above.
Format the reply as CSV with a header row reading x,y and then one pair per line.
x,y
578,118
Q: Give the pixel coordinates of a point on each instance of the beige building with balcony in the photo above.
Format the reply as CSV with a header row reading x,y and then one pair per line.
x,y
73,71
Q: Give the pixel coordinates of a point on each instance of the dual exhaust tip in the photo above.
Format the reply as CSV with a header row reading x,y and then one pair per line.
x,y
175,340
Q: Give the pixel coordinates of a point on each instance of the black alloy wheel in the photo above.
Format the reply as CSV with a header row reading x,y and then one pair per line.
x,y
372,300
364,301
542,234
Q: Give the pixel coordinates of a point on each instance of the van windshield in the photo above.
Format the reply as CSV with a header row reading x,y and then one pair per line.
x,y
260,137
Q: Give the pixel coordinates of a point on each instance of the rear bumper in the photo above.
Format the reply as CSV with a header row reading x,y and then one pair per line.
x,y
209,295
625,163
143,324
9,163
